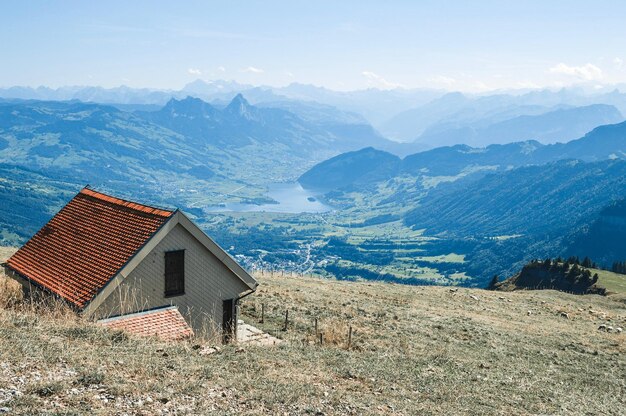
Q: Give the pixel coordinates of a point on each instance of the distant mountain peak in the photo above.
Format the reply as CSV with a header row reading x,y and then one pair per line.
x,y
190,108
187,103
239,99
241,107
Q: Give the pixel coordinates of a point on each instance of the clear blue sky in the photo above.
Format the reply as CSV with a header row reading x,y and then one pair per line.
x,y
458,45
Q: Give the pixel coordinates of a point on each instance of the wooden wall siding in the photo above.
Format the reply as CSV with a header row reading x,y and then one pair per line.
x,y
207,283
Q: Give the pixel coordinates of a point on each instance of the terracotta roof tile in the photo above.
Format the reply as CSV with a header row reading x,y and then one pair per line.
x,y
165,323
86,243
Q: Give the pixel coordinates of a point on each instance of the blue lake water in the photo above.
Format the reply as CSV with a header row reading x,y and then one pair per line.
x,y
291,197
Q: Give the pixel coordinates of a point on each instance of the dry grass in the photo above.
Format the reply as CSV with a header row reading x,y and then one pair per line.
x,y
415,350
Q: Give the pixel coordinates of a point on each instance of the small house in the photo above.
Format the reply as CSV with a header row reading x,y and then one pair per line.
x,y
128,265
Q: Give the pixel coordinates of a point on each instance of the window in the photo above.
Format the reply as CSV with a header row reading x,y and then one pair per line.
x,y
175,273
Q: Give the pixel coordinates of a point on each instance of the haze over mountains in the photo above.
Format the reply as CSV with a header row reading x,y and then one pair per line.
x,y
366,166
186,136
239,124
549,126
428,117
459,194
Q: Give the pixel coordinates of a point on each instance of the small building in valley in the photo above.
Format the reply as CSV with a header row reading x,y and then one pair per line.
x,y
134,267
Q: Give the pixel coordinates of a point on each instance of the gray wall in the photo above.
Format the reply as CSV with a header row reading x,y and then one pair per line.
x,y
207,283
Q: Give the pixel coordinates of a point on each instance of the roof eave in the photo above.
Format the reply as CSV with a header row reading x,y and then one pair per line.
x,y
218,251
14,273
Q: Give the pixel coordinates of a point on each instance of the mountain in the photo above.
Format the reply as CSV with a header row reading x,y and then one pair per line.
x,y
401,114
98,144
118,95
240,124
508,218
355,169
498,206
602,143
374,104
188,152
185,136
526,200
603,239
312,111
559,125
459,118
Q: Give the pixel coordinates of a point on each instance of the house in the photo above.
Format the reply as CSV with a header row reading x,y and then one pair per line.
x,y
113,260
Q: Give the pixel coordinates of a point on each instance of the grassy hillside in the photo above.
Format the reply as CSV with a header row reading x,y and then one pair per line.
x,y
415,350
612,282
564,276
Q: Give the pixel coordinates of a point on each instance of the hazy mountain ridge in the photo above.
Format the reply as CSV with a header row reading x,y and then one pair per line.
x,y
604,142
559,125
361,167
240,123
374,104
398,113
95,138
455,116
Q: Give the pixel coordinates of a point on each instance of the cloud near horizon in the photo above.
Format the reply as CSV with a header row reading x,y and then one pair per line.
x,y
253,69
375,80
194,71
587,72
443,80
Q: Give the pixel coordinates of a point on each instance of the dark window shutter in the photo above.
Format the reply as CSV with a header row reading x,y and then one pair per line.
x,y
175,273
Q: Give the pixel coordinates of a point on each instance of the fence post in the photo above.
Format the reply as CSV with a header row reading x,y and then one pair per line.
x,y
316,330
262,312
286,319
350,337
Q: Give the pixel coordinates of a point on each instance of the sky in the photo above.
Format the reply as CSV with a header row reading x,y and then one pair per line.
x,y
469,46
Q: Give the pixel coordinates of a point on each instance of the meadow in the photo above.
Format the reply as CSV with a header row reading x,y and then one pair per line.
x,y
412,350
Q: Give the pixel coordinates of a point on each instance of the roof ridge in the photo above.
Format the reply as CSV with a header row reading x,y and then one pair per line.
x,y
127,204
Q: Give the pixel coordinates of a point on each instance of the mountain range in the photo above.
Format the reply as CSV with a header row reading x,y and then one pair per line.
x,y
494,205
501,205
560,125
240,124
367,166
431,118
188,152
483,119
186,136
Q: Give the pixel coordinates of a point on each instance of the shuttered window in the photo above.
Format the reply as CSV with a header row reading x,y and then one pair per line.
x,y
175,273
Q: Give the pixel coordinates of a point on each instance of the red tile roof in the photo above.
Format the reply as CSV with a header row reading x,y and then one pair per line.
x,y
86,243
165,323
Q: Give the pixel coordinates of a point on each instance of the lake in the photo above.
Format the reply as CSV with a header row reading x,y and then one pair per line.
x,y
291,197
